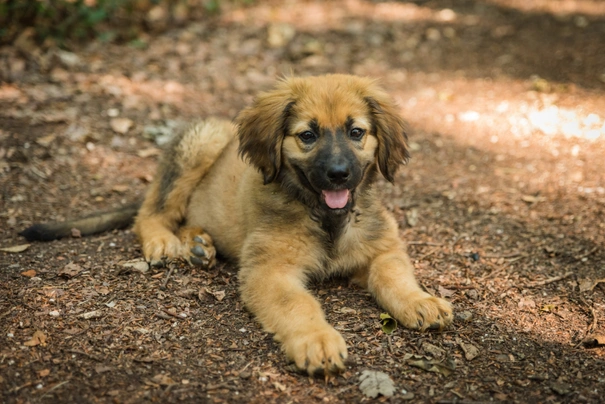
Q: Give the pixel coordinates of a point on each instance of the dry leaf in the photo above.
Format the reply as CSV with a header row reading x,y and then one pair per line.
x,y
29,273
445,368
120,189
91,314
523,302
37,339
70,270
138,264
593,341
470,351
163,380
549,308
152,151
532,199
218,295
445,293
44,372
15,248
389,324
374,383
589,285
433,350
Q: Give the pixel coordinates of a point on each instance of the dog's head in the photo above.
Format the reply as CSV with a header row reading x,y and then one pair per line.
x,y
321,136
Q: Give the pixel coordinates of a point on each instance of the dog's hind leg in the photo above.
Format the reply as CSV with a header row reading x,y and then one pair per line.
x,y
184,164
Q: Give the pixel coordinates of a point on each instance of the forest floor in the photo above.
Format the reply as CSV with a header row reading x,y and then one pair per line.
x,y
502,205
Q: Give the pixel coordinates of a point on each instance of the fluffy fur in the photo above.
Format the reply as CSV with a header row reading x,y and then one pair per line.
x,y
305,143
288,193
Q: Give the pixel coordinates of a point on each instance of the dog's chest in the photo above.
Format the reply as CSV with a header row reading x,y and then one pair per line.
x,y
348,246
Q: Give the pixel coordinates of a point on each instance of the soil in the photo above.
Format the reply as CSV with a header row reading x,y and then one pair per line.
x,y
502,205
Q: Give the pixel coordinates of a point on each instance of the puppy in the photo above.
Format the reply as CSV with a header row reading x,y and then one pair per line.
x,y
288,193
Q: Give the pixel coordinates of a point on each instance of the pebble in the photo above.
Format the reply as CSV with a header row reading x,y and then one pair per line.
x,y
464,316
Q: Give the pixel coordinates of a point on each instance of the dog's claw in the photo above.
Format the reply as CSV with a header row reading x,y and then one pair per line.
x,y
198,261
200,240
157,263
197,250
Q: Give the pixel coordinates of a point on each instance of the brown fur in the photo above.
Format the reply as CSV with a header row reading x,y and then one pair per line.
x,y
269,211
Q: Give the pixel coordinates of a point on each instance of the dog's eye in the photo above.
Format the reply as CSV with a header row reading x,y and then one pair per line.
x,y
357,133
307,136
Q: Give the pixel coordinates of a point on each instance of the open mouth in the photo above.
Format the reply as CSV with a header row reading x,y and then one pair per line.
x,y
336,199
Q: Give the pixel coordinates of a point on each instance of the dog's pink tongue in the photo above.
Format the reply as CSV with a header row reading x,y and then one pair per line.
x,y
336,199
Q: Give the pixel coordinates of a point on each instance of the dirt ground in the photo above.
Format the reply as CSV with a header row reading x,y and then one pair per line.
x,y
502,205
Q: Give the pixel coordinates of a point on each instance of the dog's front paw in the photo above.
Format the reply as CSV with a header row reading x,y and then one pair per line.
x,y
317,351
423,311
160,247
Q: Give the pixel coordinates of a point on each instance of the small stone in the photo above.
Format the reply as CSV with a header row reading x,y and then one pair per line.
x,y
54,313
561,388
472,294
121,125
464,316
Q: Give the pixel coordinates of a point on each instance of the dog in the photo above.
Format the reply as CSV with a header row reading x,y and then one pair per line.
x,y
288,192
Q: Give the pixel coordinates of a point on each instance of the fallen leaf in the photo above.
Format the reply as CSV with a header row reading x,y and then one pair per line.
x,y
523,302
120,189
445,293
374,383
589,285
549,308
445,368
70,270
586,285
163,380
433,350
411,217
138,264
149,152
218,294
44,372
102,368
593,341
91,314
470,351
29,273
389,324
532,198
37,339
15,248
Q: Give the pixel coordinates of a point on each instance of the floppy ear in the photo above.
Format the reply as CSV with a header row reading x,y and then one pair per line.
x,y
261,130
391,133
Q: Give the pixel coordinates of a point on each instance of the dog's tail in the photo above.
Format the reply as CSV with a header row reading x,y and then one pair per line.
x,y
98,223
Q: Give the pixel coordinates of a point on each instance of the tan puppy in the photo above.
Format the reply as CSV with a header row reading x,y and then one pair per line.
x,y
304,206
301,204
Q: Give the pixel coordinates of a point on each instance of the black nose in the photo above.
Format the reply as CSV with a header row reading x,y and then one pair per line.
x,y
338,173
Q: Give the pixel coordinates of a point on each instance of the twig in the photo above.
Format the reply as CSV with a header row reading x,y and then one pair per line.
x,y
163,315
434,250
170,270
172,314
509,255
74,351
423,243
551,280
593,326
390,344
56,386
581,257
